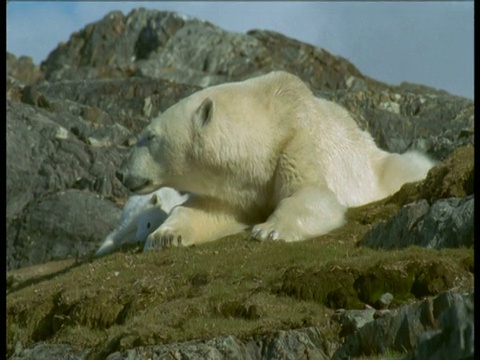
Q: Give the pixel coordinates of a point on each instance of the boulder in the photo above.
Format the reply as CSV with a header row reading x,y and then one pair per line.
x,y
447,223
409,328
158,44
65,224
454,339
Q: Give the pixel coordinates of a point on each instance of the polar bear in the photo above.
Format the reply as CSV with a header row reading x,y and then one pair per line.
x,y
141,215
264,154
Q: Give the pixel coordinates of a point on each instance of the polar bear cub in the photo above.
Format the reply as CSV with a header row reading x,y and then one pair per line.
x,y
156,212
264,154
141,215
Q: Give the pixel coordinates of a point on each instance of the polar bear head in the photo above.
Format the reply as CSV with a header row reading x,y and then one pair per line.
x,y
219,140
203,144
167,149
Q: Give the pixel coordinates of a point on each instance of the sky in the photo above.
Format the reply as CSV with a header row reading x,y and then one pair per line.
x,y
429,43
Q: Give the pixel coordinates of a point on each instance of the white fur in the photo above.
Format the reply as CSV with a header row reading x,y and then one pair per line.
x,y
154,216
141,215
262,153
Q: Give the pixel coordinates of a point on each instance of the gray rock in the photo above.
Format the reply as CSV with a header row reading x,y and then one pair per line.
x,y
46,153
384,301
43,351
46,156
438,328
23,69
101,104
454,340
167,45
448,223
402,329
65,224
289,345
203,55
402,120
352,320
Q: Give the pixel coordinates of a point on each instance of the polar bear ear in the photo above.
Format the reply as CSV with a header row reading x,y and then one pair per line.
x,y
204,112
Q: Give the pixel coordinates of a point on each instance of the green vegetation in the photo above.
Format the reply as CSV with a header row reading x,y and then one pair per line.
x,y
233,286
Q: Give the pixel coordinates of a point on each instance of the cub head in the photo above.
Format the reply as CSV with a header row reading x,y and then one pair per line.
x,y
150,219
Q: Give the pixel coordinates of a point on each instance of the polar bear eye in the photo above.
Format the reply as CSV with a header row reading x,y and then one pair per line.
x,y
145,138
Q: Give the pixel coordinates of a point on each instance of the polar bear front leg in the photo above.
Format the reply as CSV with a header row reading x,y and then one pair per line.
x,y
307,213
195,222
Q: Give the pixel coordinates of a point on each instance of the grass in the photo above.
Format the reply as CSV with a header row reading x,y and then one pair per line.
x,y
234,286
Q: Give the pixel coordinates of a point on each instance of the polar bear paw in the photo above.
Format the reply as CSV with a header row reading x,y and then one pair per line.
x,y
272,231
264,232
163,237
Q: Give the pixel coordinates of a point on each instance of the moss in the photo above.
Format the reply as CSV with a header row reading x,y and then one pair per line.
x,y
453,177
236,309
332,287
234,286
380,279
450,178
339,285
468,264
432,278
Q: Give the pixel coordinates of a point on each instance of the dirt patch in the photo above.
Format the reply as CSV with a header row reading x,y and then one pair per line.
x,y
19,278
236,309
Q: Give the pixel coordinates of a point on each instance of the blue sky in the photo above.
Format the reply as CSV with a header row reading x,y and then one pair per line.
x,y
430,43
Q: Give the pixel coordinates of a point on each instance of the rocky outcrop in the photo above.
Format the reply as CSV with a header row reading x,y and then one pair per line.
x,y
454,338
166,45
72,136
448,223
23,69
290,345
437,328
400,120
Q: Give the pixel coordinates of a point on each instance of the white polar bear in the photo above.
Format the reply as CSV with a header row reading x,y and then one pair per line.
x,y
262,153
141,215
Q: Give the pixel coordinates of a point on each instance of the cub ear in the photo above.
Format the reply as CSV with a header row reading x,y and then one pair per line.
x,y
154,200
204,113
